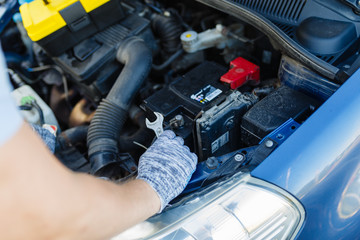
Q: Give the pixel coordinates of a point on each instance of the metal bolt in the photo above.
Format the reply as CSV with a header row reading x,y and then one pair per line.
x,y
239,157
167,14
177,122
212,163
280,136
180,120
179,117
269,143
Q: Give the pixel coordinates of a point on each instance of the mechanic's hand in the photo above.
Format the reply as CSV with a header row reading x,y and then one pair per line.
x,y
48,137
167,166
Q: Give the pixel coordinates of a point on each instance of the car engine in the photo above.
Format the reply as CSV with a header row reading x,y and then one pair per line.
x,y
228,88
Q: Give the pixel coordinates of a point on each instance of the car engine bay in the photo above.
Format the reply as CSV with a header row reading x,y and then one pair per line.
x,y
222,83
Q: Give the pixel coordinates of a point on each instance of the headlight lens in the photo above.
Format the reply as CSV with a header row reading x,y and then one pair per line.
x,y
240,207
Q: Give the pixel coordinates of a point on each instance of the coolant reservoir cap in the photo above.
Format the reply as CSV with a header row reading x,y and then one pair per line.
x,y
189,37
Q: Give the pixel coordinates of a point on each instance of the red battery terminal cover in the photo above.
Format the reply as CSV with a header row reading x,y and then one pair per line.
x,y
241,71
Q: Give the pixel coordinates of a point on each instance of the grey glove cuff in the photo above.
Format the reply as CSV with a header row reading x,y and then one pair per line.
x,y
47,137
167,166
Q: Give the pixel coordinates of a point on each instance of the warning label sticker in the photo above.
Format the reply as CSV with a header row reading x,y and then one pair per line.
x,y
206,94
221,141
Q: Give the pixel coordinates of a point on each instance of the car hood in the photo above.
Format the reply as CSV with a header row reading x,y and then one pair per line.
x,y
319,164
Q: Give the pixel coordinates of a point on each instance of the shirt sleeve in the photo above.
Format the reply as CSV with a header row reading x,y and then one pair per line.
x,y
10,118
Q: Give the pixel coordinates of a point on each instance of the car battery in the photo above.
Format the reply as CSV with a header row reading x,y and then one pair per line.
x,y
58,25
202,110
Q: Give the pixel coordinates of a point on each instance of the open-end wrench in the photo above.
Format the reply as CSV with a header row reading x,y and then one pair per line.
x,y
157,125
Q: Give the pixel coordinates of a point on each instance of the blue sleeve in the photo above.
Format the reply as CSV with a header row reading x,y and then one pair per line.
x,y
10,118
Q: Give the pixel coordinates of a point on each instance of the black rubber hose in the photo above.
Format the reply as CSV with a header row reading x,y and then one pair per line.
x,y
168,29
71,137
39,110
168,61
110,116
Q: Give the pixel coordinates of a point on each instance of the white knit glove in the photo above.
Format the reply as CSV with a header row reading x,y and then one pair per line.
x,y
167,166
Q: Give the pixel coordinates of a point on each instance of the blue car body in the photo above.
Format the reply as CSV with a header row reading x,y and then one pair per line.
x,y
320,165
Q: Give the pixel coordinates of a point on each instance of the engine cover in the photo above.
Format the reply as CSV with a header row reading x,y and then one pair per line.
x,y
91,63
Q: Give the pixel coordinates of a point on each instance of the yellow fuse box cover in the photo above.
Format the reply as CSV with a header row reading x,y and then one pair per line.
x,y
40,19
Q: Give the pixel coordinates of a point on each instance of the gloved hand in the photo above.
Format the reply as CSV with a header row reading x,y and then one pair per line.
x,y
48,137
167,166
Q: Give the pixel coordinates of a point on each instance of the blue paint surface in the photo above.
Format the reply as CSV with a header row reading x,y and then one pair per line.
x,y
320,165
7,11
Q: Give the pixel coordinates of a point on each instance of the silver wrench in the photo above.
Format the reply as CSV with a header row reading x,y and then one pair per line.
x,y
157,125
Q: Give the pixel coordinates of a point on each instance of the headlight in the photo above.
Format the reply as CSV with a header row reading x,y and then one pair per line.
x,y
241,207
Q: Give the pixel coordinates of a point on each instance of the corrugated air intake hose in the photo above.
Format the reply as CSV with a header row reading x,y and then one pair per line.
x,y
110,116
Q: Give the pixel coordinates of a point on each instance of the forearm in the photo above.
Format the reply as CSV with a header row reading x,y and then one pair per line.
x,y
46,201
112,208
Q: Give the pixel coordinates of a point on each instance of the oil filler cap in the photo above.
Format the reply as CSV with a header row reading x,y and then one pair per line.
x,y
241,71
